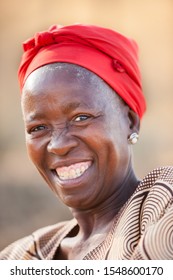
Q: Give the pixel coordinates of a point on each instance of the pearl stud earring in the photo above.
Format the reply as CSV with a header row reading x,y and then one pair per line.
x,y
133,138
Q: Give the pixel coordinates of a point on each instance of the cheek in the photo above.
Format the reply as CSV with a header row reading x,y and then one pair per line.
x,y
36,151
102,143
93,138
117,147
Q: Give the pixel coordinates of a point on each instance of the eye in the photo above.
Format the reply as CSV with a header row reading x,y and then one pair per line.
x,y
37,128
81,118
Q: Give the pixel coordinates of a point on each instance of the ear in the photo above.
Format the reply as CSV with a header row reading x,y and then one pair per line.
x,y
134,121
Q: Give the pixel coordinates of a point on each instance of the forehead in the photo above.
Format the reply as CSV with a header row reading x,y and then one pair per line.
x,y
64,72
64,81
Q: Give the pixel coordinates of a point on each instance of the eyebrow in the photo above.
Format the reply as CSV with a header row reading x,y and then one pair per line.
x,y
74,105
65,108
35,116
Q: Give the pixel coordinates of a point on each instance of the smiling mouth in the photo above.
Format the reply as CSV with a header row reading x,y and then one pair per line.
x,y
73,171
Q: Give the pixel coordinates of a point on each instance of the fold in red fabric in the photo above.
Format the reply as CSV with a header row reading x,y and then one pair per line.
x,y
103,51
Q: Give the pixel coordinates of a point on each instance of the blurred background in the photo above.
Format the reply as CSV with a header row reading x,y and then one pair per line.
x,y
26,203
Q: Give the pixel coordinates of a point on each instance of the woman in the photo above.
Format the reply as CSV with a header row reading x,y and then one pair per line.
x,y
82,103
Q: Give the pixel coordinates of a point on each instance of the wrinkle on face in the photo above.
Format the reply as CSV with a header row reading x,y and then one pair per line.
x,y
55,90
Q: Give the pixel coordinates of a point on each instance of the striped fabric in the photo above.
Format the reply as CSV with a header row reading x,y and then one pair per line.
x,y
142,230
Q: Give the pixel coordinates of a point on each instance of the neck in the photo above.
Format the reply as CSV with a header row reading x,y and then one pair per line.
x,y
99,219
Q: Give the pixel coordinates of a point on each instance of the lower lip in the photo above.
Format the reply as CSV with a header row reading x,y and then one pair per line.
x,y
75,182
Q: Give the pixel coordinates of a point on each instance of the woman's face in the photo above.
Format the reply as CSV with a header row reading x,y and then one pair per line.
x,y
76,134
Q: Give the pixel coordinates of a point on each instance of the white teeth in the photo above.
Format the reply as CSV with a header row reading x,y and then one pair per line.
x,y
73,171
83,168
78,171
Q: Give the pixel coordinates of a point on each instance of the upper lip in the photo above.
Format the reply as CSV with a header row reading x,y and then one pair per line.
x,y
63,163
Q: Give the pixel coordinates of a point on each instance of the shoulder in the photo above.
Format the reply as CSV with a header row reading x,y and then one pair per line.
x,y
159,198
156,223
162,174
41,244
158,179
159,188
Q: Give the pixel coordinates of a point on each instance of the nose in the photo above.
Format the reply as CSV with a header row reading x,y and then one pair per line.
x,y
62,142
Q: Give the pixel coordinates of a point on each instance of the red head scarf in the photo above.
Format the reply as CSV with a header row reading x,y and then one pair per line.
x,y
103,51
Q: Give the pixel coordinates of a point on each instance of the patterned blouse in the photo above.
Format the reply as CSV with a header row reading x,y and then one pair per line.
x,y
142,230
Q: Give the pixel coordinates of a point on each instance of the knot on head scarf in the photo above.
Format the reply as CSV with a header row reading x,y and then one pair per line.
x,y
103,51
